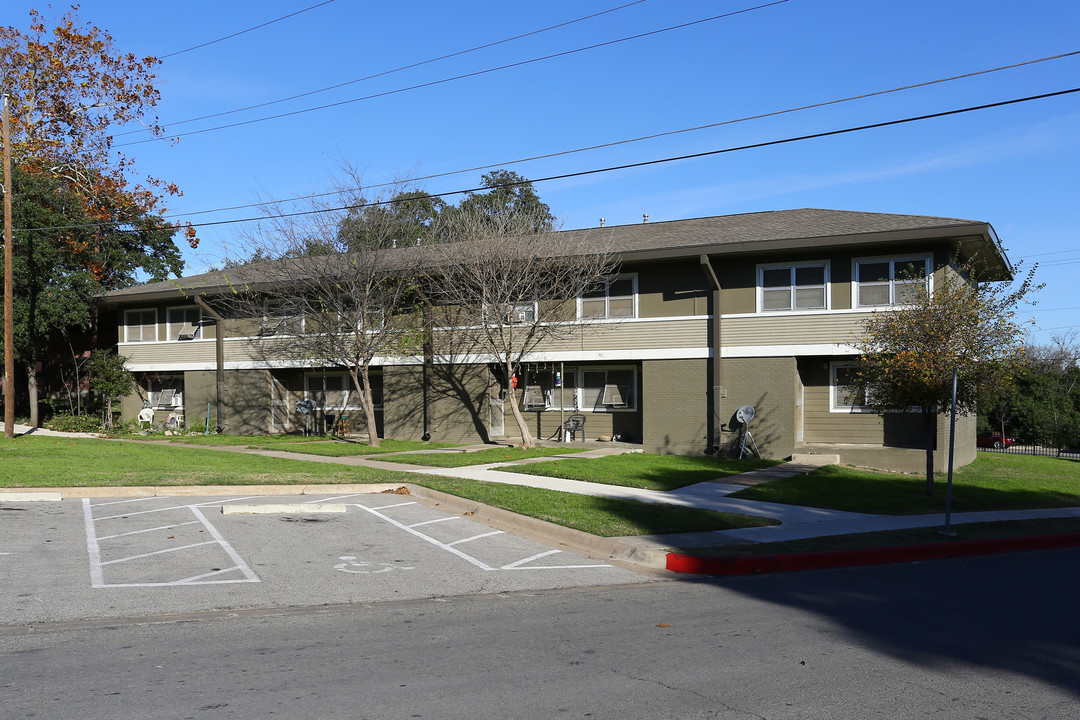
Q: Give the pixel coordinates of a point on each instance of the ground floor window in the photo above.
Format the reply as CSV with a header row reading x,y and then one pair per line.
x,y
164,392
334,390
845,395
573,388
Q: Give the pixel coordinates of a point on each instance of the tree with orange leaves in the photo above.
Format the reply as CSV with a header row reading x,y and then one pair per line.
x,y
69,87
909,352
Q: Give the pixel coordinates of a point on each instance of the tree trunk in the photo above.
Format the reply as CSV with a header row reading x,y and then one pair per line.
x,y
363,384
32,391
527,440
930,424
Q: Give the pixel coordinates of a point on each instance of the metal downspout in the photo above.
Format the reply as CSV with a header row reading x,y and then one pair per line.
x,y
717,367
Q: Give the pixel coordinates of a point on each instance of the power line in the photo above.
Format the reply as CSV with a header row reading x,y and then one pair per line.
x,y
390,72
647,163
241,32
668,133
464,76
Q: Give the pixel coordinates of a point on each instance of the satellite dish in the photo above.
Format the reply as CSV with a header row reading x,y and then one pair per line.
x,y
745,414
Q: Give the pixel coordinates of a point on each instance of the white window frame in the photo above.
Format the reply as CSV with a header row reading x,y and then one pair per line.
x,y
892,281
835,406
282,319
347,389
581,370
792,287
511,313
550,395
128,326
173,329
173,381
633,277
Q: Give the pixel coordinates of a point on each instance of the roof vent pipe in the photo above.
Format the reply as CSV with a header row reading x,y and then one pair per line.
x,y
645,217
601,222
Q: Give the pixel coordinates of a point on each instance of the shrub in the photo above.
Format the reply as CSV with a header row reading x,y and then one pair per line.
x,y
63,422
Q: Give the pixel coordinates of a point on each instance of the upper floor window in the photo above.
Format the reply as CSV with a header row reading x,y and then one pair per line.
x,y
513,313
140,325
616,298
888,281
801,286
184,323
282,317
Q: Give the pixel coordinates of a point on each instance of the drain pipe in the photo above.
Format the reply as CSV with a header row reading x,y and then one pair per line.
x,y
717,386
219,342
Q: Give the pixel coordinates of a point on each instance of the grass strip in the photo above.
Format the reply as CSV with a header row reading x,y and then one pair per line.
x,y
349,448
992,482
643,470
481,457
70,462
895,538
605,517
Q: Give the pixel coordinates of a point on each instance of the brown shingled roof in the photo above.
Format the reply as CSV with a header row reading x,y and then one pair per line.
x,y
723,234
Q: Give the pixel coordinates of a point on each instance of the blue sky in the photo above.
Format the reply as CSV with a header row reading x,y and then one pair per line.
x,y
1015,167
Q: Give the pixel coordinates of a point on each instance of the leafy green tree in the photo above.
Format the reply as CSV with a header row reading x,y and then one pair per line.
x,y
1044,407
508,195
407,218
62,260
110,378
909,353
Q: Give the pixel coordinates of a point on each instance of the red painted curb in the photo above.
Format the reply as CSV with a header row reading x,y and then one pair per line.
x,y
757,564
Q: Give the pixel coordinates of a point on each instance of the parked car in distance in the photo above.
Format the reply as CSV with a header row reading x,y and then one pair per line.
x,y
994,439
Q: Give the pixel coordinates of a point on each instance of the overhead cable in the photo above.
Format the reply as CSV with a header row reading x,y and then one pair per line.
x,y
464,76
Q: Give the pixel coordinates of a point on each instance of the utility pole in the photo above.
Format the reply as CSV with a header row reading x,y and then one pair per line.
x,y
9,293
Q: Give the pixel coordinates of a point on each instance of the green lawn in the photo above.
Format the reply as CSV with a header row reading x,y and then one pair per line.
x,y
481,457
68,462
643,470
605,517
229,440
992,482
348,448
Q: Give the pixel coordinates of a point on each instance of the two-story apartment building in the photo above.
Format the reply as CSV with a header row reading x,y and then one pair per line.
x,y
706,316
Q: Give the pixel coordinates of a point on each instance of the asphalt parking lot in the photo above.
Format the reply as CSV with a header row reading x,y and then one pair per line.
x,y
122,557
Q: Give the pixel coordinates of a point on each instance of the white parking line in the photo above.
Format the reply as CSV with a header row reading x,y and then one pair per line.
x,y
432,522
93,546
138,532
477,537
449,547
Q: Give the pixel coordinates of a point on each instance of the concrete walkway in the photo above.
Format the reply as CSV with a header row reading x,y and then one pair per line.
x,y
795,522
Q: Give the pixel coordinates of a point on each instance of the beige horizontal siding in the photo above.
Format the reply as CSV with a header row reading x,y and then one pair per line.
x,y
783,329
168,353
822,426
663,334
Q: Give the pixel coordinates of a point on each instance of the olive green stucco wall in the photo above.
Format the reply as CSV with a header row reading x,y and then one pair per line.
x,y
769,386
675,396
458,403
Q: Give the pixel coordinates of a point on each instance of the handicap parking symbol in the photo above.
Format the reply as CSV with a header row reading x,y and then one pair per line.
x,y
352,565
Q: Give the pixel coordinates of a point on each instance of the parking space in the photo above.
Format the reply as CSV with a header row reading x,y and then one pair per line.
x,y
116,557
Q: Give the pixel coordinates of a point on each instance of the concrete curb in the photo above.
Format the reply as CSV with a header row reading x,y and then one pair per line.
x,y
760,564
29,496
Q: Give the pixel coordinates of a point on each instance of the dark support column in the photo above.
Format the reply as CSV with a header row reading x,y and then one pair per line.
x,y
219,342
717,420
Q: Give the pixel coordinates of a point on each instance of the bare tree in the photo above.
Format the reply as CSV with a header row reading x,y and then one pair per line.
x,y
503,291
332,290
